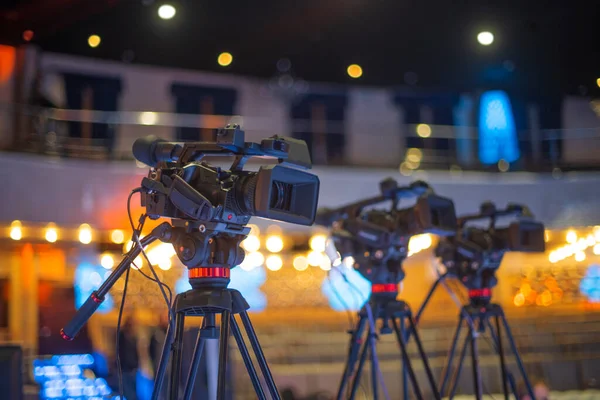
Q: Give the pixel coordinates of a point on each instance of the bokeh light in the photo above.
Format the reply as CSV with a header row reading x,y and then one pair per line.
x,y
117,236
274,243
85,234
318,242
94,41
485,38
166,11
16,233
423,130
225,59
274,262
51,234
300,263
107,261
355,71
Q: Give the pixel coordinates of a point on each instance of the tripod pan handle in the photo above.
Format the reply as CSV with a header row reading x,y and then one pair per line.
x,y
82,316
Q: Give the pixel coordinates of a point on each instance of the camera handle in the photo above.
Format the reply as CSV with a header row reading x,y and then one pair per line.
x,y
81,317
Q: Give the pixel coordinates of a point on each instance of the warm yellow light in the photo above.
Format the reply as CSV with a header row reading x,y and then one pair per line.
x,y
318,242
519,299
526,289
300,263
414,155
85,234
15,230
598,82
423,130
571,236
485,38
274,243
580,256
165,264
597,233
107,261
148,118
94,41
354,71
546,297
419,243
503,166
225,59
315,258
127,246
51,234
274,262
138,263
252,260
251,243
546,235
325,264
596,249
166,11
117,236
254,230
405,169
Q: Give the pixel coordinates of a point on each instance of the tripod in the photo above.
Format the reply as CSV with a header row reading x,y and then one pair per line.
x,y
480,311
208,303
383,306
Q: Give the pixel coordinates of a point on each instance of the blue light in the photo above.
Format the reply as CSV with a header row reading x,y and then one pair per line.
x,y
87,279
590,284
249,283
344,295
497,132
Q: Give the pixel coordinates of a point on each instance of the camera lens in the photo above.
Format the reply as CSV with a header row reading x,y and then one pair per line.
x,y
277,195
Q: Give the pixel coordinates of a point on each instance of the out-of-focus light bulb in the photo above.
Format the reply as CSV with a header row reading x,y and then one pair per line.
x,y
107,261
580,256
485,38
138,263
85,234
252,260
251,243
15,230
315,258
51,234
117,236
165,264
596,249
348,262
148,118
94,41
571,236
355,71
274,262
325,264
274,243
166,11
300,263
423,130
225,59
318,242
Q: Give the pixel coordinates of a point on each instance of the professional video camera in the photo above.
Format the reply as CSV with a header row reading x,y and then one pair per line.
x,y
474,254
210,206
378,239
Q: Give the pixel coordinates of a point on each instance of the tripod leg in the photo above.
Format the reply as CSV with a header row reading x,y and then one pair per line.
x,y
509,376
502,361
353,351
162,365
260,356
448,366
461,360
430,377
374,370
223,347
361,364
475,365
235,330
177,354
404,371
406,360
198,348
513,346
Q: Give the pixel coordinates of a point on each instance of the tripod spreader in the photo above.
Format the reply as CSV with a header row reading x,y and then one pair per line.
x,y
90,306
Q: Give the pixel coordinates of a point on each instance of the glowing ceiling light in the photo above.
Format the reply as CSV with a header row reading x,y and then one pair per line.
x,y
355,71
274,262
225,59
117,236
166,11
15,230
274,244
571,236
423,130
485,38
251,243
300,263
94,41
51,234
107,261
318,242
85,234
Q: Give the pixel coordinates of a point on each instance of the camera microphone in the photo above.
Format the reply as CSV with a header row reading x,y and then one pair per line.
x,y
150,150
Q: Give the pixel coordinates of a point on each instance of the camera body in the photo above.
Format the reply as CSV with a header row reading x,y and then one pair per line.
x,y
378,239
474,254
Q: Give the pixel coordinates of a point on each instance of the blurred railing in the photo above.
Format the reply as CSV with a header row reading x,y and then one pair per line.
x,y
109,135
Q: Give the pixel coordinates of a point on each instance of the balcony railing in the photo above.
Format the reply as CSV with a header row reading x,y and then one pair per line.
x,y
109,135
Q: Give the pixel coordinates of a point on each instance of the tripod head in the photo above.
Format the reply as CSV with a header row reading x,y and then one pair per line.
x,y
474,253
378,239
